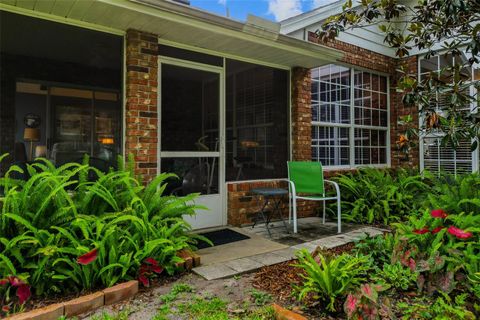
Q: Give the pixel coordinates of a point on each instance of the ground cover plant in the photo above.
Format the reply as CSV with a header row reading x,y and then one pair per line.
x,y
372,196
381,196
63,232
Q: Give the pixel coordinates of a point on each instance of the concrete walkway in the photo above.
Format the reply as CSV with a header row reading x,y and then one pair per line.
x,y
237,266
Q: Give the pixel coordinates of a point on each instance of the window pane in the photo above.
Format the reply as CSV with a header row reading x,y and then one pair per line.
x,y
334,91
438,158
370,147
330,146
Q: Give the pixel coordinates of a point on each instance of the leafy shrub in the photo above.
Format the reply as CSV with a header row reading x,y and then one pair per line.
x,y
380,196
379,248
396,276
331,277
456,194
444,308
441,247
57,220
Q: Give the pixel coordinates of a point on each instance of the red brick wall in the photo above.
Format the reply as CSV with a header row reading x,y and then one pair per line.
x,y
301,119
360,57
397,110
141,107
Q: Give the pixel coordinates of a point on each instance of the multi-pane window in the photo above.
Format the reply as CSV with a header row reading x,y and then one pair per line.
x,y
349,117
435,157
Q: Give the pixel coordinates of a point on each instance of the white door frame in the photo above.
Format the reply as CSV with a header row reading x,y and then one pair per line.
x,y
193,154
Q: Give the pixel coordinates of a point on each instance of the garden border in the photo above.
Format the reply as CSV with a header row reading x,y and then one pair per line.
x,y
93,301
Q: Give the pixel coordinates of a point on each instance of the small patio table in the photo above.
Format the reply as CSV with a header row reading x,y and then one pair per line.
x,y
275,196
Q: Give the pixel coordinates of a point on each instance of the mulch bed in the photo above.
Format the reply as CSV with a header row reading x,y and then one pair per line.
x,y
280,280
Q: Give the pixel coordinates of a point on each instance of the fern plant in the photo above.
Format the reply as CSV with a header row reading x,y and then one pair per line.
x,y
60,214
331,277
456,194
380,196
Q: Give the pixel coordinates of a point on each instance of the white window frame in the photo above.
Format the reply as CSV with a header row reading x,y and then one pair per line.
x,y
352,126
475,154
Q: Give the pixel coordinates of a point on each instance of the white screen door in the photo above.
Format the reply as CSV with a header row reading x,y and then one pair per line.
x,y
191,135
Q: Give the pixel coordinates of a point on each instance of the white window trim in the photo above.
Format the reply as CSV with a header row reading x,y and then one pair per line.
x,y
422,136
352,126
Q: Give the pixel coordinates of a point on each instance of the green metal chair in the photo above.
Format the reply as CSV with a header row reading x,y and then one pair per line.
x,y
306,178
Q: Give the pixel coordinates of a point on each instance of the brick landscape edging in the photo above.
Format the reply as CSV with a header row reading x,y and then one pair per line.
x,y
81,304
93,301
285,314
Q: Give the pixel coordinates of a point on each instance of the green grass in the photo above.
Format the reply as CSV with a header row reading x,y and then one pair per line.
x,y
209,308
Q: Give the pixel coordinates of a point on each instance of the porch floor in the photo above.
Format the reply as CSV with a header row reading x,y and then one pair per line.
x,y
309,229
260,250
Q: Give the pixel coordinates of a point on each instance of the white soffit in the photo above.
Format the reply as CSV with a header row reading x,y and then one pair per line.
x,y
184,25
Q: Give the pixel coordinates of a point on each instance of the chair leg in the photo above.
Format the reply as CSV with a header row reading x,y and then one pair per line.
x,y
290,208
324,202
339,215
294,214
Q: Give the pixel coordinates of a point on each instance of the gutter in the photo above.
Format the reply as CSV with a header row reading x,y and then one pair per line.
x,y
250,31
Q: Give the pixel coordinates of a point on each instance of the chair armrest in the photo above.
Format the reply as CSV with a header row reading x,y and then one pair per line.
x,y
337,188
292,187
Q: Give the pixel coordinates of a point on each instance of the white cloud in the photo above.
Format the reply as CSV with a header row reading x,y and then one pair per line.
x,y
283,9
320,3
222,2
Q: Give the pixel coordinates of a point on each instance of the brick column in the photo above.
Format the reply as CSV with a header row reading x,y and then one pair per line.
x,y
397,110
301,114
141,109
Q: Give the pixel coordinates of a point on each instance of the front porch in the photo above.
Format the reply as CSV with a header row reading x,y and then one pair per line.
x,y
262,250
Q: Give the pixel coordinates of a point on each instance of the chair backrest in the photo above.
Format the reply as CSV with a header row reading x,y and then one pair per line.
x,y
307,176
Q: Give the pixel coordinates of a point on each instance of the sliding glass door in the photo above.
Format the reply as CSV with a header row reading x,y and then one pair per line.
x,y
84,122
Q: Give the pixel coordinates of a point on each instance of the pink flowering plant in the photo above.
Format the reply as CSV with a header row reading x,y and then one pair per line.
x,y
367,304
435,245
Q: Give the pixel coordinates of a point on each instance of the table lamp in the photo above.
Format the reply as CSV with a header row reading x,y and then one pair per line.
x,y
31,135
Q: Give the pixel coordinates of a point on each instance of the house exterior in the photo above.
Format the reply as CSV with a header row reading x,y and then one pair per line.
x,y
221,103
366,59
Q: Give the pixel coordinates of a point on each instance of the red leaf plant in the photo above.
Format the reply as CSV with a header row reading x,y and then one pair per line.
x,y
366,303
148,269
459,233
23,290
350,305
436,230
88,257
438,213
421,231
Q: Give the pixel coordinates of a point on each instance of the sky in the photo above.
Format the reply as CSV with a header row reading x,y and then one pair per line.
x,y
275,10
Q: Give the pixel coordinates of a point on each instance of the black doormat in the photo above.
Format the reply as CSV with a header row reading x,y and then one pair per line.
x,y
219,237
